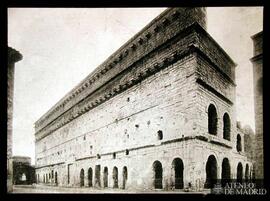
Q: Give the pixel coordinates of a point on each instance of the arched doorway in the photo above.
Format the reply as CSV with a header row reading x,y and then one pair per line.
x,y
55,178
125,176
178,169
157,168
247,173
82,178
212,119
239,173
105,177
90,177
226,172
211,172
115,177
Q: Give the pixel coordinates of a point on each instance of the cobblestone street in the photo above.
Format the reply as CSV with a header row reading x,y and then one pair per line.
x,y
85,190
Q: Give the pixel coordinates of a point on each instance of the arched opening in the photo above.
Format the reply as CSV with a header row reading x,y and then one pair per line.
x,y
239,143
43,178
97,176
212,119
115,177
160,135
105,177
125,176
226,127
90,177
55,178
82,177
247,173
157,168
239,173
46,178
178,169
226,172
211,172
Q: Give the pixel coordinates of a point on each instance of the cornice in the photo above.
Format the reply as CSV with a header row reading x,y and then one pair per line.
x,y
129,51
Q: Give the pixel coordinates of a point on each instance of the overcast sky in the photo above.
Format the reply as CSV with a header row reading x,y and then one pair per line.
x,y
61,46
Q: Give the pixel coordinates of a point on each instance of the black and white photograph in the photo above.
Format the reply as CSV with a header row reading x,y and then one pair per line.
x,y
163,100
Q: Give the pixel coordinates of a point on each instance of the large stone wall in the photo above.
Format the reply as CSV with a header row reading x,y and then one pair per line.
x,y
167,92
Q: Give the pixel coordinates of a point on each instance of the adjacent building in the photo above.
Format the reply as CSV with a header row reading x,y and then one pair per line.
x,y
23,172
159,113
13,57
257,61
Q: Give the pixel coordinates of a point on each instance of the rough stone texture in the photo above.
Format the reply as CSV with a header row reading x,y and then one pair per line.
x,y
117,122
257,61
13,57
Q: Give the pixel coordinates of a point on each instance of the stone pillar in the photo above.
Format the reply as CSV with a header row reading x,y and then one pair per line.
x,y
257,61
13,57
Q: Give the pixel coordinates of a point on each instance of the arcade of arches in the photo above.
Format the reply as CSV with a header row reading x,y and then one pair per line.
x,y
177,174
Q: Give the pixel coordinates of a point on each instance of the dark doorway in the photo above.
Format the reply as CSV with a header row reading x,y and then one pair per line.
x,y
68,173
157,168
247,173
90,177
178,169
125,176
211,172
239,173
226,172
105,177
115,177
82,178
97,176
55,178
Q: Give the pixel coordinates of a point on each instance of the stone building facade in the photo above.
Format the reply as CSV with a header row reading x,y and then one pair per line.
x,y
157,114
13,57
257,61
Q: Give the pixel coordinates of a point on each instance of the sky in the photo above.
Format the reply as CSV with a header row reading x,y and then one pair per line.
x,y
61,46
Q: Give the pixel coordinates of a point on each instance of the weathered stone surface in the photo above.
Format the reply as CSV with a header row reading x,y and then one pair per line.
x,y
153,90
257,61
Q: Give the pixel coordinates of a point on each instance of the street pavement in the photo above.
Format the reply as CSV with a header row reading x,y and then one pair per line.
x,y
86,190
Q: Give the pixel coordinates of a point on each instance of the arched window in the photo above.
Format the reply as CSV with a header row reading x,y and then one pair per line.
x,y
157,168
226,127
212,119
239,143
160,135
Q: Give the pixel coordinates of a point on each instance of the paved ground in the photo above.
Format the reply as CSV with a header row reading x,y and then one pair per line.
x,y
56,189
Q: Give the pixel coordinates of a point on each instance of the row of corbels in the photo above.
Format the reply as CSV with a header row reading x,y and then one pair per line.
x,y
165,22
